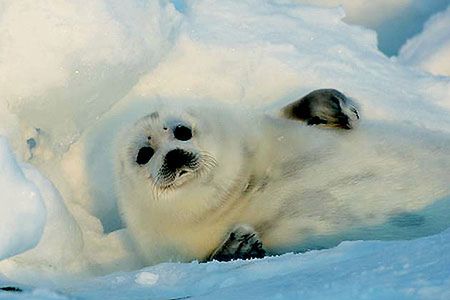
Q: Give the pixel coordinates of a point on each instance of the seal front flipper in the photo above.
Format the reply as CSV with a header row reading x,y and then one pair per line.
x,y
243,242
324,107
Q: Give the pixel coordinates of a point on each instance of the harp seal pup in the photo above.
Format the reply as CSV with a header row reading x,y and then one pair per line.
x,y
201,181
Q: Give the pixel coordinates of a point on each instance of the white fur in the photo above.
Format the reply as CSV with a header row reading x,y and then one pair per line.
x,y
300,187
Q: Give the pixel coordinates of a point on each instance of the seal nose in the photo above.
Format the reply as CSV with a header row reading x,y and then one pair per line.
x,y
178,158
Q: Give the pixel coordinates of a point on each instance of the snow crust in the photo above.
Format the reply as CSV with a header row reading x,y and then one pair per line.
x,y
430,50
71,73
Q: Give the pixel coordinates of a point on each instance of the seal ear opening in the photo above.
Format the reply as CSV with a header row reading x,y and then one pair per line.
x,y
325,107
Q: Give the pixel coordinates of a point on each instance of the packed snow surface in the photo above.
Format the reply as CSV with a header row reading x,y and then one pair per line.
x,y
69,72
417,269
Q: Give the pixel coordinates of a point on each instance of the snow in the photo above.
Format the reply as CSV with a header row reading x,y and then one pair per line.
x,y
60,233
72,73
147,278
430,50
263,58
77,58
394,21
416,269
23,213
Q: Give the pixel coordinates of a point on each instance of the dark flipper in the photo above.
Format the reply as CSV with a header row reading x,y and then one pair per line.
x,y
324,107
242,243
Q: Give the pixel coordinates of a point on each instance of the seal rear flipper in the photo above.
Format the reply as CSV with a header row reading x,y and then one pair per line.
x,y
324,107
243,242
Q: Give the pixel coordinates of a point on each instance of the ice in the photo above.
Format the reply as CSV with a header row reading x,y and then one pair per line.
x,y
22,214
72,73
430,50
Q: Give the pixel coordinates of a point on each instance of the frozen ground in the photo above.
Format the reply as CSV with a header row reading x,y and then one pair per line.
x,y
68,71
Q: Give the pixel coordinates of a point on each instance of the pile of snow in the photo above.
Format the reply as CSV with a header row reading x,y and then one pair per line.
x,y
71,74
430,50
22,213
72,61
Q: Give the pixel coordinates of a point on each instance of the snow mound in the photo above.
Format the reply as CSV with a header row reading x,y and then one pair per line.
x,y
430,50
60,233
71,61
22,214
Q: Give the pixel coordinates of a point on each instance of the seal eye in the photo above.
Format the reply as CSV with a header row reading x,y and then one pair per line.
x,y
144,155
182,133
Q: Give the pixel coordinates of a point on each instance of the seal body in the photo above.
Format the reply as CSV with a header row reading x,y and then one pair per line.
x,y
187,174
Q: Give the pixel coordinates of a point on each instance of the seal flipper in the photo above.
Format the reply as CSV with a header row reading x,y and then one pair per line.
x,y
242,243
324,107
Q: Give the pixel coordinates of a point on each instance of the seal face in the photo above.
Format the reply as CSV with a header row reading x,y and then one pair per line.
x,y
164,152
207,181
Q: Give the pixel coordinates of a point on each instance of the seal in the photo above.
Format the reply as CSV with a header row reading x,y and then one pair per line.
x,y
202,181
